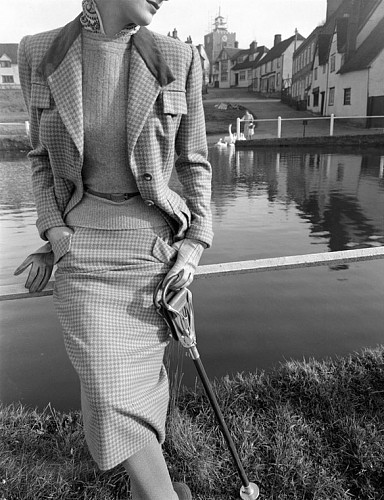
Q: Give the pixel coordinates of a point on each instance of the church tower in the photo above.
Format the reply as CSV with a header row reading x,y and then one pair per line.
x,y
219,38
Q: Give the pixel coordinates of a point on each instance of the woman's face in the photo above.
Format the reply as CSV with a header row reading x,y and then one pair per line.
x,y
139,12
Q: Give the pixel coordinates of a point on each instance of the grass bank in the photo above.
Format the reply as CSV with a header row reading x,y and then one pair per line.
x,y
12,107
308,430
217,120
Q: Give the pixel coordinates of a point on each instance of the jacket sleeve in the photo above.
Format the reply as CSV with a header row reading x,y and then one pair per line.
x,y
192,166
48,213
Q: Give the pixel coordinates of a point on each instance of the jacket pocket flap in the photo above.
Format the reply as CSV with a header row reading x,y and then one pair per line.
x,y
174,103
40,96
162,251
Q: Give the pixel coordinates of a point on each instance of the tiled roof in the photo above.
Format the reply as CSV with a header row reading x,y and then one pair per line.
x,y
230,52
339,18
367,52
366,7
279,49
323,43
247,64
10,49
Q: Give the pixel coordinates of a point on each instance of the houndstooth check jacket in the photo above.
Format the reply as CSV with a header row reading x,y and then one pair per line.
x,y
164,115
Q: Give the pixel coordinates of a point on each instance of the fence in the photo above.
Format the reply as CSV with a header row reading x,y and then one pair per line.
x,y
305,121
12,292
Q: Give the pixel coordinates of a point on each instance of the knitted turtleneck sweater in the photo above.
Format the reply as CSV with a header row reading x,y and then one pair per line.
x,y
106,168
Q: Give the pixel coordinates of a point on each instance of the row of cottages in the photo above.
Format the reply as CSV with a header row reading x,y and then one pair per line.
x,y
9,70
223,75
346,74
257,68
274,72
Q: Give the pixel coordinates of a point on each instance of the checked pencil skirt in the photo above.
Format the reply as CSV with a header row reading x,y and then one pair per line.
x,y
114,337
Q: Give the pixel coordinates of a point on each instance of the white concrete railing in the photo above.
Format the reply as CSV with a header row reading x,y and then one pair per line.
x,y
280,120
25,125
12,292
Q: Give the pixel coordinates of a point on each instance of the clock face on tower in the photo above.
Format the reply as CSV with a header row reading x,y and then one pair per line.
x,y
224,38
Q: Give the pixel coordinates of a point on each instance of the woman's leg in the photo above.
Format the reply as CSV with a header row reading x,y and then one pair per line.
x,y
149,474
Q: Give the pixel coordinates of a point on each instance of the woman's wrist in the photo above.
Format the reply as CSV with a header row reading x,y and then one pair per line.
x,y
55,233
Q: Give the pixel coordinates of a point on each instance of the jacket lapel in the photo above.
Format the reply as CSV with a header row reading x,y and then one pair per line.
x,y
62,67
148,74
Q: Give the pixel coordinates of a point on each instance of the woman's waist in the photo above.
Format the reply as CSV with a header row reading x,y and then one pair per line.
x,y
114,211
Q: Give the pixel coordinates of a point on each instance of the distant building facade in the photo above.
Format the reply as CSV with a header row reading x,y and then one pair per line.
x,y
302,73
217,40
242,72
348,67
273,74
9,70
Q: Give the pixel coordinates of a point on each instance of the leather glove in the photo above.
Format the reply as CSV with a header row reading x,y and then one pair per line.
x,y
41,263
188,257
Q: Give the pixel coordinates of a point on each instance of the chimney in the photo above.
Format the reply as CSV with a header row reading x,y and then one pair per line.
x,y
253,46
277,40
236,45
332,6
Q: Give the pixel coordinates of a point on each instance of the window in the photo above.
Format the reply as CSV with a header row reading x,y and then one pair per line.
x,y
5,64
315,74
347,97
249,74
324,68
224,77
242,75
333,62
331,96
316,99
8,79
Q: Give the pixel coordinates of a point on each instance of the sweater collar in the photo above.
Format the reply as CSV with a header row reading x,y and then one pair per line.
x,y
91,21
143,41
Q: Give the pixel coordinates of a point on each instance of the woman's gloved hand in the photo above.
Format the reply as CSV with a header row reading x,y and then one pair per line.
x,y
41,263
188,257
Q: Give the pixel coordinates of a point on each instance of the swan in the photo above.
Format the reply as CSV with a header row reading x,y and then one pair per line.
x,y
231,138
221,143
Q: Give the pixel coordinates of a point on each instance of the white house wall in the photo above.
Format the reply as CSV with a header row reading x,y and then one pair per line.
x,y
357,81
12,71
376,83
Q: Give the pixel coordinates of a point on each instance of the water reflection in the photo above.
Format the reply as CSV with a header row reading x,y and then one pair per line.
x,y
340,198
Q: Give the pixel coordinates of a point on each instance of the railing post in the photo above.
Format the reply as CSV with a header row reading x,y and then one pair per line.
x,y
279,127
238,128
332,125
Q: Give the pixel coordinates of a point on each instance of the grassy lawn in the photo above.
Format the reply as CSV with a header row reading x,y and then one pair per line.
x,y
12,107
217,120
308,430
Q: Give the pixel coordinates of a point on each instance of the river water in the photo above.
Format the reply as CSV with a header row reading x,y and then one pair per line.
x,y
265,204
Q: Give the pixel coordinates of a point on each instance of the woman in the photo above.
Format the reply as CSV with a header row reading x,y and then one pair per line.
x,y
109,104
249,125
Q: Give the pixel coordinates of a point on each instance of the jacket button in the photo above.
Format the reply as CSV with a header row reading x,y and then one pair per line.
x,y
147,177
149,203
